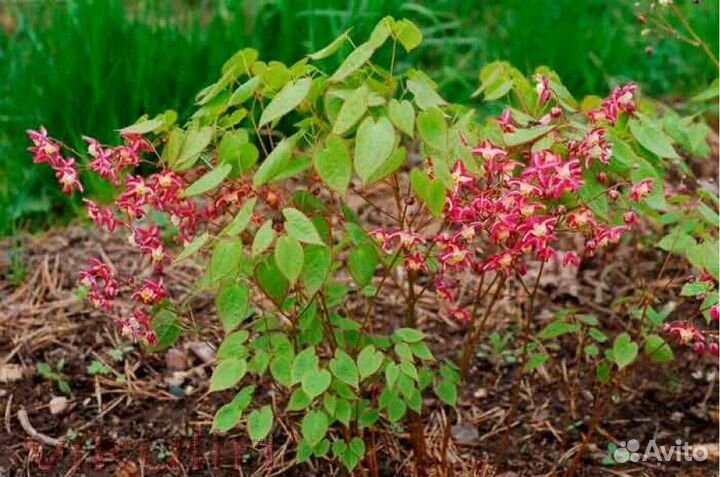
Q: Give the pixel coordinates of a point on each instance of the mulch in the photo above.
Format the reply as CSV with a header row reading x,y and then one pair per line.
x,y
155,406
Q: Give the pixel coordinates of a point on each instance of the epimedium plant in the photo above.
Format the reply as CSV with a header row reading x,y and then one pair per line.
x,y
471,206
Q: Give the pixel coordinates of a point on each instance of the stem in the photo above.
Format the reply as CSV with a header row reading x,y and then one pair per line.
x,y
417,432
527,320
695,36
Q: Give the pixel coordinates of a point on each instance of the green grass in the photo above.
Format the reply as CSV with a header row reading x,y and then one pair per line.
x,y
89,67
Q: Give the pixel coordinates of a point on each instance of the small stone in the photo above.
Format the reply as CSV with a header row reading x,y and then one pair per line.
x,y
202,350
176,359
465,432
10,373
58,405
177,391
480,393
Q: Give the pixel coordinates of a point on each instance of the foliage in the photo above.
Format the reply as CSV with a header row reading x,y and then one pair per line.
x,y
259,179
90,67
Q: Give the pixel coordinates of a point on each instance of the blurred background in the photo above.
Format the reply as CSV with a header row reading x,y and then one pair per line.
x,y
92,66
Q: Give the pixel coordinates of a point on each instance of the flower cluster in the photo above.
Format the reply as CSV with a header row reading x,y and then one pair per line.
x,y
621,100
109,162
688,334
46,150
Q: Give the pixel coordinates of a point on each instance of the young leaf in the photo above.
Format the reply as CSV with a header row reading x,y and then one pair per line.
x,y
299,400
232,303
289,257
402,115
304,362
318,261
447,391
315,382
226,258
558,328
263,238
234,345
330,48
343,367
333,164
433,128
535,361
286,100
166,325
353,61
424,94
362,261
275,163
193,247
228,373
522,136
260,423
652,138
271,281
242,219
299,226
208,181
409,335
189,147
624,350
314,427
352,110
408,34
657,349
369,361
373,144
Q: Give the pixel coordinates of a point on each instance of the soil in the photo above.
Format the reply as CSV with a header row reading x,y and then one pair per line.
x,y
155,411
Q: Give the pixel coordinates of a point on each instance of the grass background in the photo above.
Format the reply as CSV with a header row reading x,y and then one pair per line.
x,y
92,66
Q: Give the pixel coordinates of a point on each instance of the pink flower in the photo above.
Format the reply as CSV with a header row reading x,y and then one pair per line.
x,y
101,217
415,262
571,258
715,313
630,217
460,314
507,124
542,87
150,292
641,190
67,175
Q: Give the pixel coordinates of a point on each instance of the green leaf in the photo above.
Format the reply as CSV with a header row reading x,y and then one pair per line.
x,y
289,257
373,144
228,373
232,303
334,165
695,288
226,258
315,382
189,147
392,372
281,369
447,391
263,238
208,181
299,226
408,34
402,115
652,138
624,350
275,163
166,325
558,328
495,81
271,281
409,335
396,409
657,349
394,162
299,400
352,110
242,219
304,362
421,350
343,367
343,411
362,261
260,423
433,128
424,95
353,61
226,417
709,93
535,361
234,345
245,91
369,361
331,48
286,100
522,136
193,247
314,427
145,126
318,261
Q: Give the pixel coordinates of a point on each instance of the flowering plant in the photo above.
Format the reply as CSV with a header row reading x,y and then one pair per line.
x,y
468,207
